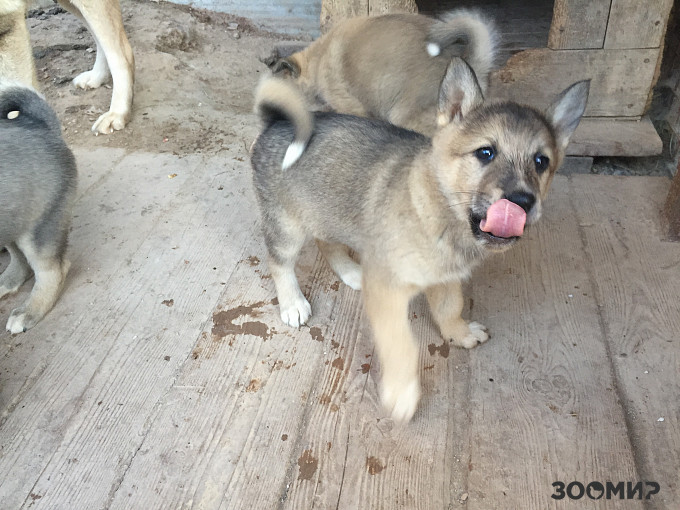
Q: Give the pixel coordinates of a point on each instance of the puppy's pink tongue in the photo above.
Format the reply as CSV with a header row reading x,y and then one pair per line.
x,y
504,219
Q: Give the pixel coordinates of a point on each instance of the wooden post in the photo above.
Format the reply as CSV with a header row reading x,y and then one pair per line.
x,y
578,24
378,7
333,11
671,210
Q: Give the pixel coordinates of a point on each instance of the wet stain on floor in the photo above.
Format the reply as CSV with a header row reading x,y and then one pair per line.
x,y
223,322
338,363
442,349
308,465
373,465
316,334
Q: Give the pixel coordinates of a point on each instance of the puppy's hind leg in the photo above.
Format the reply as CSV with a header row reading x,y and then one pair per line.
x,y
16,273
284,241
387,310
50,271
446,305
337,256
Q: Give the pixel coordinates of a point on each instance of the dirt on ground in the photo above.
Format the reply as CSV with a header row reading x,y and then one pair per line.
x,y
196,71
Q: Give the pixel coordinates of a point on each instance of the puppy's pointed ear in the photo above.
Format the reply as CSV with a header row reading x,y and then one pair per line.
x,y
459,93
566,111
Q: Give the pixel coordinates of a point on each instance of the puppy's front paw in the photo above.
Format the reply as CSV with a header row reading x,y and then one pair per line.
x,y
108,123
401,399
20,320
476,334
296,313
90,79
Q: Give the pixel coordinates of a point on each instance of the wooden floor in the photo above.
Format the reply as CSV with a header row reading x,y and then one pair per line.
x,y
164,379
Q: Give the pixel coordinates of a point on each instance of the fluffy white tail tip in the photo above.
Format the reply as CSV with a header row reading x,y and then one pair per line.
x,y
433,49
293,153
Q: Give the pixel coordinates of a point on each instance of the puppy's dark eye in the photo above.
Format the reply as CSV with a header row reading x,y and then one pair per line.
x,y
485,154
541,162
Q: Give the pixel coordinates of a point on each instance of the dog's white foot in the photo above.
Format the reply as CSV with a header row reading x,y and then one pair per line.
x,y
20,321
108,123
351,276
296,312
91,79
478,335
401,400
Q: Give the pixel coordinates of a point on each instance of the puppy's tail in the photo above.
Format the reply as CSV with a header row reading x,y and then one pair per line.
x,y
22,105
278,99
474,33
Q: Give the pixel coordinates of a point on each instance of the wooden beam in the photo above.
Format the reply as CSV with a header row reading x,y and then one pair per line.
x,y
620,79
333,11
605,137
671,210
635,24
377,7
578,24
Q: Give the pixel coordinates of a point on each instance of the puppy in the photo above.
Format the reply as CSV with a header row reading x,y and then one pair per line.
x,y
420,213
390,67
38,184
114,54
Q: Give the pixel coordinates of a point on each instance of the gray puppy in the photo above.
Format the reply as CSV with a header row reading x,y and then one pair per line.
x,y
37,187
420,213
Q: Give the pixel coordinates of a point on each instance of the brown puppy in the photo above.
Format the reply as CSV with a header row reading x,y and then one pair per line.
x,y
420,213
114,54
390,67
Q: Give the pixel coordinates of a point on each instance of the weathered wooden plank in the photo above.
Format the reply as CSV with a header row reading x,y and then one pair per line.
x,y
576,165
144,293
635,24
578,24
543,398
671,209
229,430
293,419
603,137
620,79
636,277
377,7
375,464
333,11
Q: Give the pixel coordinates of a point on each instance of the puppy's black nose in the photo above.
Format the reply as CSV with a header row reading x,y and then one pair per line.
x,y
523,199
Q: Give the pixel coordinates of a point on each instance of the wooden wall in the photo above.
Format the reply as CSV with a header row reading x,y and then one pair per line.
x,y
615,43
334,10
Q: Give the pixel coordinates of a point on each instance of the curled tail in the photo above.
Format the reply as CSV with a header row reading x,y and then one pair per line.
x,y
278,99
475,32
22,105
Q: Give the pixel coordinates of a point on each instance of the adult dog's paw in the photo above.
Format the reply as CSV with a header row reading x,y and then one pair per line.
x,y
109,122
91,79
296,313
21,320
477,334
401,399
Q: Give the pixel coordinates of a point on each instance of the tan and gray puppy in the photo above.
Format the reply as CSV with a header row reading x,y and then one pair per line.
x,y
420,213
37,187
390,67
114,54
